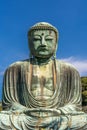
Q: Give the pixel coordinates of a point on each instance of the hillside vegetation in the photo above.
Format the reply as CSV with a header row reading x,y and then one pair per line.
x,y
84,91
0,106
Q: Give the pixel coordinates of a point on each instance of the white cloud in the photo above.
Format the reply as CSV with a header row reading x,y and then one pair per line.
x,y
80,64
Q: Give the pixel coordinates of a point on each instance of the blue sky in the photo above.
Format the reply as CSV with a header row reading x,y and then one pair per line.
x,y
69,16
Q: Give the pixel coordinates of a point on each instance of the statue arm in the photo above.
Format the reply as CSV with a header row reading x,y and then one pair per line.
x,y
72,103
10,98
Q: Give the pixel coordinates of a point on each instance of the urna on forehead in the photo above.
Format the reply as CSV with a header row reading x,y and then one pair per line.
x,y
43,26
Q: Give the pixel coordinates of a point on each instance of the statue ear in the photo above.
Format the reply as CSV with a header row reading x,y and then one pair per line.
x,y
54,55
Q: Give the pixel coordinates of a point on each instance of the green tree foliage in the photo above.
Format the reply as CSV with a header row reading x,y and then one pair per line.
x,y
0,106
84,90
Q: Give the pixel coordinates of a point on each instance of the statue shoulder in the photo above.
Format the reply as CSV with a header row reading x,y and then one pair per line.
x,y
66,65
19,64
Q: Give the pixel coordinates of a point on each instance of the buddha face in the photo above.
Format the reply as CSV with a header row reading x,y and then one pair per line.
x,y
42,43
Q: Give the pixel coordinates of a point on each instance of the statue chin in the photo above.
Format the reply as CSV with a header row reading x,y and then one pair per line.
x,y
42,54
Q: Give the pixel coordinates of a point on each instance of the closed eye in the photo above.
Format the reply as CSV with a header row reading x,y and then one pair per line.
x,y
49,39
36,39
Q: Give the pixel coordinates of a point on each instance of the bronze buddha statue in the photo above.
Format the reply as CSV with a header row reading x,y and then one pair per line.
x,y
42,93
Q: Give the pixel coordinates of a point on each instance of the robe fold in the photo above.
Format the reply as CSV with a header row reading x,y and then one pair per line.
x,y
17,96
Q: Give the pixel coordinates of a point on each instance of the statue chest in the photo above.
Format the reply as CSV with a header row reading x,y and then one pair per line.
x,y
42,82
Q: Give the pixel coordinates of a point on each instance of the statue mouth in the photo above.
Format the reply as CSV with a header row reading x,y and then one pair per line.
x,y
42,48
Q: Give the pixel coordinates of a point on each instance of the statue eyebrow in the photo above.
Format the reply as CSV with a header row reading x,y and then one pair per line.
x,y
48,36
37,35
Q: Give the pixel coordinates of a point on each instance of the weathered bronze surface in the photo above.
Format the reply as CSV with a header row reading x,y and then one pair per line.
x,y
42,93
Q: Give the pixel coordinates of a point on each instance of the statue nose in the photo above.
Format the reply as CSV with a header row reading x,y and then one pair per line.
x,y
43,42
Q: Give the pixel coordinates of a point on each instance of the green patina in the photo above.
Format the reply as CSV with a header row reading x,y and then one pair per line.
x,y
42,93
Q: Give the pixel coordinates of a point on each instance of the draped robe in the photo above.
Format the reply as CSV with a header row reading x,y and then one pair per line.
x,y
17,96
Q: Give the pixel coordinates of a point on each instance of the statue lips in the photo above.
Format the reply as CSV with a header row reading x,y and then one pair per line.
x,y
42,48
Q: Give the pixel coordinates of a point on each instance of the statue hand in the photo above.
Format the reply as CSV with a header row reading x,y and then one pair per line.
x,y
55,112
17,108
6,112
64,123
14,110
57,123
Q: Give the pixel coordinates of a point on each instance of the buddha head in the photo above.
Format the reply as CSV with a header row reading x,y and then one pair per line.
x,y
42,38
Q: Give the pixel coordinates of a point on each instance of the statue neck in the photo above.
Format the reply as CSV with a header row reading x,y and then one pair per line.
x,y
41,61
